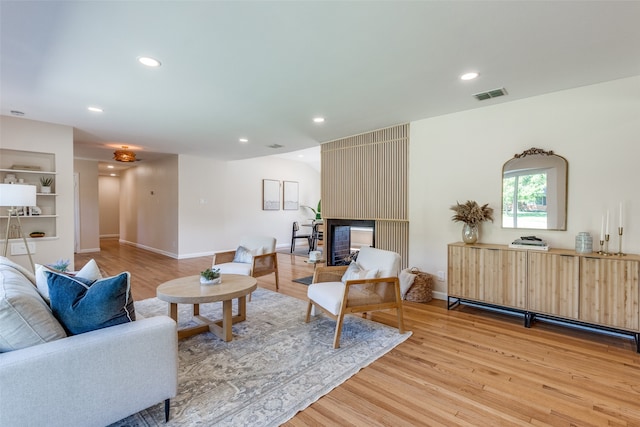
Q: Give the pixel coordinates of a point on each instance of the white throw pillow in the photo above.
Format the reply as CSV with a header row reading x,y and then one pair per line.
x,y
90,271
406,280
355,272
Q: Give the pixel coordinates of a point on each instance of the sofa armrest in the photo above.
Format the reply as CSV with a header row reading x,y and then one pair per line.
x,y
95,378
223,257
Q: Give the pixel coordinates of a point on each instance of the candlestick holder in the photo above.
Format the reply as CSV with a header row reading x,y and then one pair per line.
x,y
620,230
604,251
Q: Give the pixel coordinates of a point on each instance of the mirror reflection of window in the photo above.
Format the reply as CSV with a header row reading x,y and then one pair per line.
x,y
534,191
525,199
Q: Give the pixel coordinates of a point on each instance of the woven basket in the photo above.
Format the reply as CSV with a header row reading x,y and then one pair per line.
x,y
422,288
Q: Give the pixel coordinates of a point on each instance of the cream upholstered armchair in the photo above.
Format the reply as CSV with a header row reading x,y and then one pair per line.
x,y
371,283
256,256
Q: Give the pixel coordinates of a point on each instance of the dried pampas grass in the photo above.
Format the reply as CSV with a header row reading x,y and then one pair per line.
x,y
472,213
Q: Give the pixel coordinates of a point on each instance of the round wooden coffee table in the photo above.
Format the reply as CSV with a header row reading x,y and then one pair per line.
x,y
188,290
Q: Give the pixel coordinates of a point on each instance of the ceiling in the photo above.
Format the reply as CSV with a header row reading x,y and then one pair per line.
x,y
263,70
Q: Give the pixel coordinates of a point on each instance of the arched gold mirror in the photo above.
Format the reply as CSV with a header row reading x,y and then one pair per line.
x,y
534,191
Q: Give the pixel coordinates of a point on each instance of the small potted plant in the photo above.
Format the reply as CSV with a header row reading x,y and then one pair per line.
x,y
45,184
210,276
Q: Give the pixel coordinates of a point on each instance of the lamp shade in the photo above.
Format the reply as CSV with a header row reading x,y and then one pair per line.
x,y
17,195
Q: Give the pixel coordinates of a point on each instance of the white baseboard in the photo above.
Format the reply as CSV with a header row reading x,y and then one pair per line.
x,y
88,250
439,295
150,249
109,236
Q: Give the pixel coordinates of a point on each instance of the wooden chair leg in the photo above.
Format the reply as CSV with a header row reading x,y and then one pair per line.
x,y
308,312
400,320
336,338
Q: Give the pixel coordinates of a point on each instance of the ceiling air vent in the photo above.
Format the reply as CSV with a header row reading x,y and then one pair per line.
x,y
490,94
275,146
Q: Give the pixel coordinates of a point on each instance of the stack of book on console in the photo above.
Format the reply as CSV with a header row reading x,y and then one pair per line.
x,y
530,242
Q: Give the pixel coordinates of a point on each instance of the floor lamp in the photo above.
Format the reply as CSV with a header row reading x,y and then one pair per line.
x,y
13,195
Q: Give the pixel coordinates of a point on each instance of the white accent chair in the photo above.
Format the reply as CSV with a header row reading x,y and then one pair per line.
x,y
263,259
377,288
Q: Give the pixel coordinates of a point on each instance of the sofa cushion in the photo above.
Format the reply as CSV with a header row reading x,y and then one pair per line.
x,y
25,318
83,305
89,271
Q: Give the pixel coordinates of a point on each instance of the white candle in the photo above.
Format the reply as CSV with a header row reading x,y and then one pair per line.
x,y
602,229
607,229
620,221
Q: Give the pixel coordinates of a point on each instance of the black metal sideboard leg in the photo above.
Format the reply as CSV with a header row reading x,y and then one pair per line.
x,y
528,319
636,337
450,304
167,407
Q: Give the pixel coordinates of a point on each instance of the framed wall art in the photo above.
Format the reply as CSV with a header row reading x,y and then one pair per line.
x,y
290,195
270,195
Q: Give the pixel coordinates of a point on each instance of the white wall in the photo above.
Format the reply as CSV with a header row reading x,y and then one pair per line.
x,y
149,205
29,135
459,157
222,201
109,201
89,238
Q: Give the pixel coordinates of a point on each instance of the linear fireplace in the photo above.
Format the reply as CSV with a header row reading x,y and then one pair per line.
x,y
344,237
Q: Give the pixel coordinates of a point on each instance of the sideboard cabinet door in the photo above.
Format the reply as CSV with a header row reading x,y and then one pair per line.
x,y
464,272
554,283
490,275
609,292
503,277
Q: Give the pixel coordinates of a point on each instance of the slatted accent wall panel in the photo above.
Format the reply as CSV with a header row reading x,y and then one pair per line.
x,y
393,236
365,177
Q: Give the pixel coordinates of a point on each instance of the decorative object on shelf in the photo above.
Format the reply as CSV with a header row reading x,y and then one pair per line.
x,y
36,234
584,243
13,195
124,155
10,178
60,265
472,215
210,276
45,184
26,167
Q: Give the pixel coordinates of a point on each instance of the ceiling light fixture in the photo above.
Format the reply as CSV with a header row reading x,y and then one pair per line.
x,y
469,76
113,174
110,166
124,155
318,119
95,109
243,140
148,61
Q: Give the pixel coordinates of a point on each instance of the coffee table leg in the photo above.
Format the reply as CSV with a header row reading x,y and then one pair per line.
x,y
196,310
173,311
242,309
227,321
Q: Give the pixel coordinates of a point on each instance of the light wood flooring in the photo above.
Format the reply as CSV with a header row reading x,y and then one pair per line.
x,y
461,367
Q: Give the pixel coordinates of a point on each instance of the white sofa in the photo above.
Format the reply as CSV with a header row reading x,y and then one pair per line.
x,y
91,379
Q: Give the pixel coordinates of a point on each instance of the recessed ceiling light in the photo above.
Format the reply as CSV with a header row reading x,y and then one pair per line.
x,y
113,174
95,109
469,76
243,140
148,61
318,119
300,155
110,166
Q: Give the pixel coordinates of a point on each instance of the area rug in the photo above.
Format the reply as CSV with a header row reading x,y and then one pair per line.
x,y
304,280
275,366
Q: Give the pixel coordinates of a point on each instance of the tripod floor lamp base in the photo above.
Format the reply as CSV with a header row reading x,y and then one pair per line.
x,y
17,195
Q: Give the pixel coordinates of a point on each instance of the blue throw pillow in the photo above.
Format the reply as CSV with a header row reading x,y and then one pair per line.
x,y
83,305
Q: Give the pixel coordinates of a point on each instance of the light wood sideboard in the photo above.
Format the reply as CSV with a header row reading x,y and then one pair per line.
x,y
592,290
